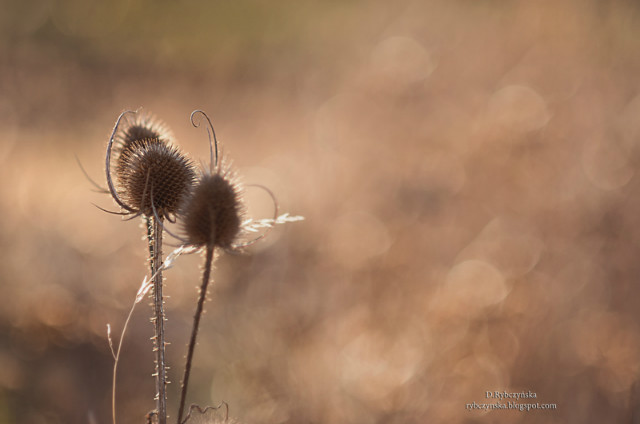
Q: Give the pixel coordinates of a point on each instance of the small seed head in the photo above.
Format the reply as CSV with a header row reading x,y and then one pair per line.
x,y
212,214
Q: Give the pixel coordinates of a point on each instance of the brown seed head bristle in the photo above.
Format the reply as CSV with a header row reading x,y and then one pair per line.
x,y
150,169
212,214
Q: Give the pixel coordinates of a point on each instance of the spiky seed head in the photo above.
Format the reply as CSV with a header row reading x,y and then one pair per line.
x,y
149,171
212,213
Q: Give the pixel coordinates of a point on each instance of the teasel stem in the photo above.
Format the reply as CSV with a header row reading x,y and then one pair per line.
x,y
154,234
206,274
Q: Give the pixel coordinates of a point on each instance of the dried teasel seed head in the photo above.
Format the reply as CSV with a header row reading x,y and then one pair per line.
x,y
152,176
212,214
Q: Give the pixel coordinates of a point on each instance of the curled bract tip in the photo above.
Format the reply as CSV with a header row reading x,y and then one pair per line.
x,y
112,189
213,146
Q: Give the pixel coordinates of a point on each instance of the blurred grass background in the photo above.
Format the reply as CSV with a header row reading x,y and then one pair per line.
x,y
467,170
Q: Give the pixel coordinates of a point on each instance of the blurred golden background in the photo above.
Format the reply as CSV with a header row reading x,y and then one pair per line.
x,y
467,171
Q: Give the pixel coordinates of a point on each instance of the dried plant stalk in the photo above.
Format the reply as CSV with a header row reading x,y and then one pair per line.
x,y
154,226
206,275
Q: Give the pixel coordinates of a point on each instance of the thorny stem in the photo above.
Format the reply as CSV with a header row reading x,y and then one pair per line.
x,y
194,330
154,234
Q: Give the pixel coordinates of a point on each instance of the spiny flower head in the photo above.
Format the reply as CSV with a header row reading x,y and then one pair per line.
x,y
212,213
152,176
